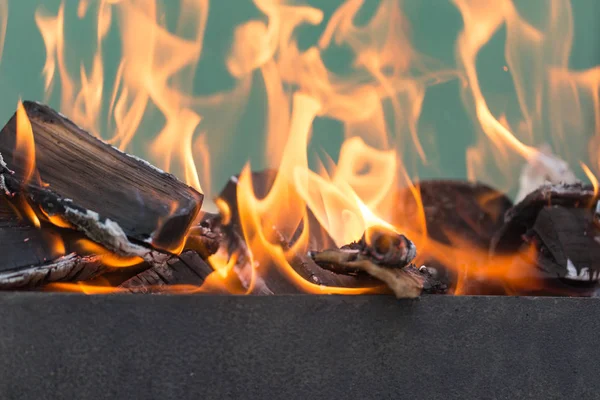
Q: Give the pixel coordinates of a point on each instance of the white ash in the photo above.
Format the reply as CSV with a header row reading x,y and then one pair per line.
x,y
111,235
2,163
584,274
147,163
3,185
542,169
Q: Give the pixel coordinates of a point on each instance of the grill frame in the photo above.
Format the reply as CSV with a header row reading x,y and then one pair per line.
x,y
55,345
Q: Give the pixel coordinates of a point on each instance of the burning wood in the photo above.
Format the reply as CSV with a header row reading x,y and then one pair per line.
x,y
385,255
120,201
32,256
188,269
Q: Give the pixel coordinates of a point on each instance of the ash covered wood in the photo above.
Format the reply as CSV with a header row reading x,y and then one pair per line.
x,y
187,269
31,256
116,199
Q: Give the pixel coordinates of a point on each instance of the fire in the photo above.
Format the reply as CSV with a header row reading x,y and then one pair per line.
x,y
108,258
378,101
25,146
590,175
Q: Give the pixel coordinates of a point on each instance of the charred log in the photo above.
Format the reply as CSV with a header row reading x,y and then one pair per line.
x,y
470,212
384,255
187,269
206,237
118,200
561,223
31,256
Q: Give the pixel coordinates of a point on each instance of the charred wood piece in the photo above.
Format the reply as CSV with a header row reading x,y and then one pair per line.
x,y
562,224
187,269
207,237
470,211
31,256
384,255
118,200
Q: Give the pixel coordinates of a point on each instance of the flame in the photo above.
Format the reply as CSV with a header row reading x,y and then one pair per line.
x,y
590,175
25,146
224,211
378,100
82,287
108,258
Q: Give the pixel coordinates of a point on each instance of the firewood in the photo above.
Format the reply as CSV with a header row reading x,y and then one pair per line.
x,y
471,212
384,255
118,200
187,269
562,222
28,257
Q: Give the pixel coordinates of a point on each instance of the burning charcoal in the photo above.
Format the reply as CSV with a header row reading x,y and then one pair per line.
x,y
187,269
31,256
118,200
560,221
381,253
472,212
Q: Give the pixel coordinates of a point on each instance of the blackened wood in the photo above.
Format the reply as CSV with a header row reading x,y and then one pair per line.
x,y
29,257
68,268
470,212
206,237
523,215
86,180
187,269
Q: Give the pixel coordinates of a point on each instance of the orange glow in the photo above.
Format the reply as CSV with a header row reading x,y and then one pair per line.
x,y
25,146
108,258
57,220
81,287
25,210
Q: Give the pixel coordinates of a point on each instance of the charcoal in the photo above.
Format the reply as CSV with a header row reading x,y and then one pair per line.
x,y
118,200
470,212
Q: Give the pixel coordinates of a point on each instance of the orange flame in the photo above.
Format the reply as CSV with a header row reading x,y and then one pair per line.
x,y
25,146
108,258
